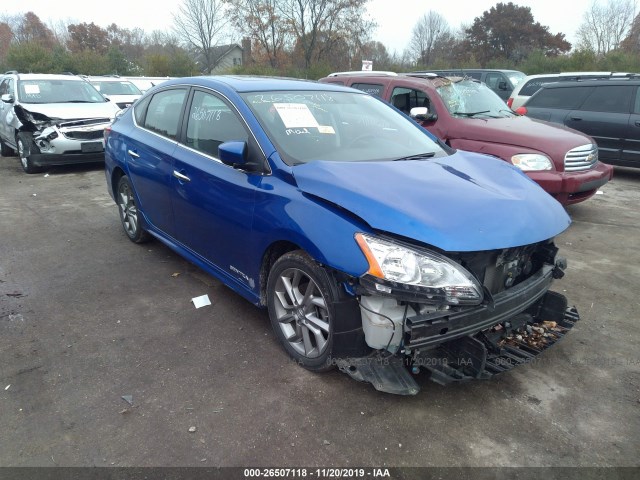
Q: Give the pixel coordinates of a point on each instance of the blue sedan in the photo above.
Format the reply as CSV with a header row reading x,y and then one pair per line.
x,y
375,247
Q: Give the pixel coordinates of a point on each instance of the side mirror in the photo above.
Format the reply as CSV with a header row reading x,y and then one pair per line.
x,y
233,154
502,85
422,114
7,98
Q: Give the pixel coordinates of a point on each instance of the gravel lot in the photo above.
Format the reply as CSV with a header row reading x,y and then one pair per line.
x,y
87,317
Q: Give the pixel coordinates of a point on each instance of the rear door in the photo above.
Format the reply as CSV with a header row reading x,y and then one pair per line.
x,y
605,115
149,153
631,151
553,104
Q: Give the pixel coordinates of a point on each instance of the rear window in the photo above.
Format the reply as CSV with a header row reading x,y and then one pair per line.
x,y
560,98
163,112
533,85
610,98
370,88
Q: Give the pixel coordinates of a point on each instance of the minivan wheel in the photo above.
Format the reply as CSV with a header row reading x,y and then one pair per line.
x,y
129,215
27,147
300,299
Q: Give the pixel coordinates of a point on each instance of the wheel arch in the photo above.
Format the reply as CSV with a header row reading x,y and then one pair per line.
x,y
270,256
116,175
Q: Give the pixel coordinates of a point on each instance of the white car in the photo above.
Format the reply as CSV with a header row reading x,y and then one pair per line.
x,y
118,90
146,83
532,83
52,120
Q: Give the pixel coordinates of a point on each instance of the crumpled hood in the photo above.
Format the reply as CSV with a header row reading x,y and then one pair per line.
x,y
464,202
72,111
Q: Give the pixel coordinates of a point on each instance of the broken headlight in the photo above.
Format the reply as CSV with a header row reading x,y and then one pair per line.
x,y
402,270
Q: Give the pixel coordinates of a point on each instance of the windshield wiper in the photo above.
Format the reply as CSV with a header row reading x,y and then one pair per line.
x,y
470,114
419,156
77,101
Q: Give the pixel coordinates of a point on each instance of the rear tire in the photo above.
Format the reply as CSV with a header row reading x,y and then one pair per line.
x,y
26,148
129,215
6,150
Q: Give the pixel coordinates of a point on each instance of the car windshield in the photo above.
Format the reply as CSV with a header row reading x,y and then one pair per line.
x,y
116,88
472,99
58,91
338,126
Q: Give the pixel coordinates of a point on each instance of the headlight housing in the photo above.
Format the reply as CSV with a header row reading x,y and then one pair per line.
x,y
427,276
532,162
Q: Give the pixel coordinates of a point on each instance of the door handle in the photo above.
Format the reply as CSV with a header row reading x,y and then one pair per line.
x,y
181,176
576,118
133,154
637,123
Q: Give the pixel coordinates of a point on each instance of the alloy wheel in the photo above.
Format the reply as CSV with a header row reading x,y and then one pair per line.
x,y
302,313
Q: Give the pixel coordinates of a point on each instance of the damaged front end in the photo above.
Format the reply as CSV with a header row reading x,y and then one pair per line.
x,y
61,141
459,316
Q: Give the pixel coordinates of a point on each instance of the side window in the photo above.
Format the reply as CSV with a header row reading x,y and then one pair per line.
x,y
211,122
636,108
405,99
140,110
493,80
163,113
561,98
609,98
370,88
476,75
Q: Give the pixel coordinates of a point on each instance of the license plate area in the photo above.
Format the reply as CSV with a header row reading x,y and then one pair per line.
x,y
91,147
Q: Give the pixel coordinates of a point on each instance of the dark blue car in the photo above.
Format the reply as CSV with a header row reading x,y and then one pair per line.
x,y
375,247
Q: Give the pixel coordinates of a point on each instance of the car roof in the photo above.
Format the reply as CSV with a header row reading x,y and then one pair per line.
x,y
241,83
47,76
469,70
592,83
577,74
417,79
107,79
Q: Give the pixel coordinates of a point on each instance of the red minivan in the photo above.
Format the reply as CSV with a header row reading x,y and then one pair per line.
x,y
467,115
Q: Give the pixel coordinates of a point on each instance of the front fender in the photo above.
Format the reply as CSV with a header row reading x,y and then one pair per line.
x,y
323,230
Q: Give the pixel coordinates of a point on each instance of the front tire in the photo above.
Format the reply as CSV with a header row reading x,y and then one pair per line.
x,y
129,215
300,298
26,148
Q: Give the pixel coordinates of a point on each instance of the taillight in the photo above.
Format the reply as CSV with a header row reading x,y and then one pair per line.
x,y
521,110
106,133
510,102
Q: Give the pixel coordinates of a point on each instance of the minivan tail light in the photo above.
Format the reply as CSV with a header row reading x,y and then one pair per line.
x,y
521,110
510,102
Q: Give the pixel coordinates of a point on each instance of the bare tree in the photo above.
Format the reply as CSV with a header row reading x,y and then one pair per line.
x,y
262,21
31,29
605,26
431,29
200,24
60,31
324,21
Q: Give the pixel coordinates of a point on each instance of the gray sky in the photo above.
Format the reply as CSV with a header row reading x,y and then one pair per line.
x,y
395,18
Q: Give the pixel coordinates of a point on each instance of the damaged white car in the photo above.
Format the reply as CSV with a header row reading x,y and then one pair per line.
x,y
52,120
